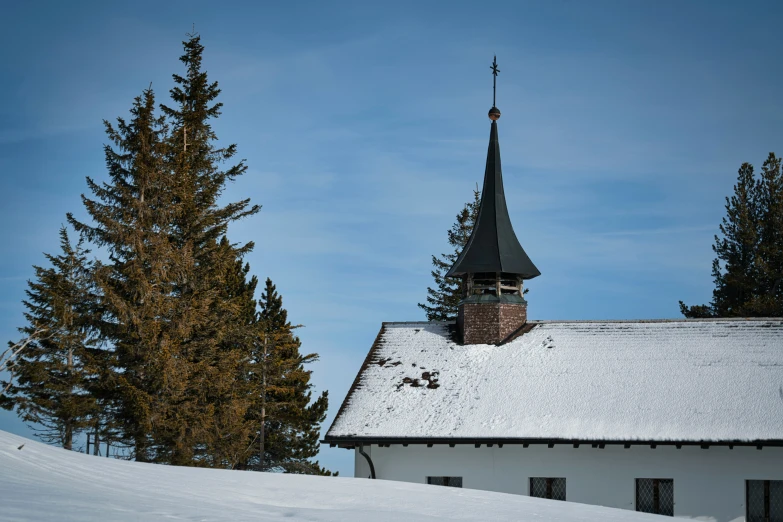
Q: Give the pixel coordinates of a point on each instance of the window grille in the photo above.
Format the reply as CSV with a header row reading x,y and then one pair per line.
x,y
553,488
764,500
454,482
655,496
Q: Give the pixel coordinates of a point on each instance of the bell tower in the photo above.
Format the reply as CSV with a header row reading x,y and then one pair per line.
x,y
493,265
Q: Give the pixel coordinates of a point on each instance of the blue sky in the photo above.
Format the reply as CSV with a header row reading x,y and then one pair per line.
x,y
364,127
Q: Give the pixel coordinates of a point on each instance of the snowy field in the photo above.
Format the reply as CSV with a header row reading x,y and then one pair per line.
x,y
39,483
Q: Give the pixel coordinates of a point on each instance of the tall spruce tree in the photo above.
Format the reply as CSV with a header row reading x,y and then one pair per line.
x,y
141,375
50,379
289,419
768,301
748,269
442,300
193,375
214,319
174,311
236,392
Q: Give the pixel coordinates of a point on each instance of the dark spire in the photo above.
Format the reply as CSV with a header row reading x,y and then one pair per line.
x,y
493,247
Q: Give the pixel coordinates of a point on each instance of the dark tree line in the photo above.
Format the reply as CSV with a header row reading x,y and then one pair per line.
x,y
162,348
748,267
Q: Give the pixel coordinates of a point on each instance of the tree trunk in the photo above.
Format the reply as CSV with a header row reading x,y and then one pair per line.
x,y
96,440
262,434
141,449
68,421
68,437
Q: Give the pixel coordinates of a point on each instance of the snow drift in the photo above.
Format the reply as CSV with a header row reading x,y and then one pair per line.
x,y
40,482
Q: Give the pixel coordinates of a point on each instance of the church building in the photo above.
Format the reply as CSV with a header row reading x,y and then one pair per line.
x,y
680,417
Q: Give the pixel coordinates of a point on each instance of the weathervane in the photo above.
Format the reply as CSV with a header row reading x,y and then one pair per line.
x,y
494,112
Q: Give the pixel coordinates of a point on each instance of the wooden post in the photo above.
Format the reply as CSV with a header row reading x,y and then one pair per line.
x,y
88,444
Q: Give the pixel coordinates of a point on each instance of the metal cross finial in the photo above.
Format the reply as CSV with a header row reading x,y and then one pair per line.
x,y
495,72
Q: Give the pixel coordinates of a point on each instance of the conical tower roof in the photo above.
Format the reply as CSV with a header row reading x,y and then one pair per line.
x,y
493,247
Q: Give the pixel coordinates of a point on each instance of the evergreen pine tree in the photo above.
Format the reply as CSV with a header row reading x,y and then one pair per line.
x,y
290,419
214,322
768,300
442,300
190,365
236,392
141,375
749,263
50,378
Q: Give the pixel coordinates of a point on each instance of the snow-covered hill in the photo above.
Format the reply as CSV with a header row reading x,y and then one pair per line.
x,y
39,483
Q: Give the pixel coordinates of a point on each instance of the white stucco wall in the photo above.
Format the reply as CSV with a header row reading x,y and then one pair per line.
x,y
709,484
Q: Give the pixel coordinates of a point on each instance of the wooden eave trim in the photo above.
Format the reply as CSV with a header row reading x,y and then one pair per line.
x,y
351,442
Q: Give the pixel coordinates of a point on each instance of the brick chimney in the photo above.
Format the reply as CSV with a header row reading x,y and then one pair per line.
x,y
486,317
484,322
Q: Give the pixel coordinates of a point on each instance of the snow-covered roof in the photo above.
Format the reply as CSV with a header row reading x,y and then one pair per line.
x,y
674,380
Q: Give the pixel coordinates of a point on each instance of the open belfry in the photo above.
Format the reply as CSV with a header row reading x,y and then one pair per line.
x,y
493,265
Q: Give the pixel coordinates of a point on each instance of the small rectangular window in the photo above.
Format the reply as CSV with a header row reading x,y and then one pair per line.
x,y
764,500
453,482
655,496
553,488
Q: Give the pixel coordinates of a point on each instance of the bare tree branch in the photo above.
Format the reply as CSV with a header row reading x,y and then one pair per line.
x,y
8,357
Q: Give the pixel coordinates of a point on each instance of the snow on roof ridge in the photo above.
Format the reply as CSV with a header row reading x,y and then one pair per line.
x,y
680,320
582,321
417,322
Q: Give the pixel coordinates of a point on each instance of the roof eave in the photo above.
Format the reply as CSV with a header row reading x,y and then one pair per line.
x,y
349,442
